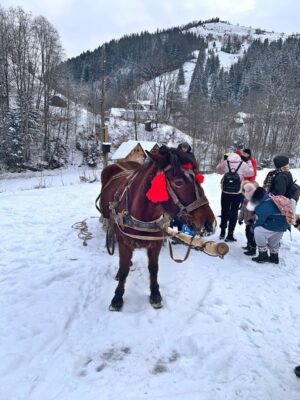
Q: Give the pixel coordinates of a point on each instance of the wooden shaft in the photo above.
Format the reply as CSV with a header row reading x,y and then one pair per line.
x,y
208,246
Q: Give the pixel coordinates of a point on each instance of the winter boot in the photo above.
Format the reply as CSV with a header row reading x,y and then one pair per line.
x,y
246,247
274,258
251,251
222,234
262,255
230,238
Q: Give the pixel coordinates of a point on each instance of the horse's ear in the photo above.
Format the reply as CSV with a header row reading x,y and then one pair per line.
x,y
157,158
150,155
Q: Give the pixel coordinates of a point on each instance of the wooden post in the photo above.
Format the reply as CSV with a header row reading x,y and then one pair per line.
x,y
104,135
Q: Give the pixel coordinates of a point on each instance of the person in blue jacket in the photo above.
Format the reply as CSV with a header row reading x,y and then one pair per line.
x,y
269,226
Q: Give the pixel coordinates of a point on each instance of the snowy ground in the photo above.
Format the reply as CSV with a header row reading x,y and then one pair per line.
x,y
229,328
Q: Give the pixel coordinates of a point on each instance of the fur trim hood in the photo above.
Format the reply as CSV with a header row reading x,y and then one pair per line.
x,y
234,158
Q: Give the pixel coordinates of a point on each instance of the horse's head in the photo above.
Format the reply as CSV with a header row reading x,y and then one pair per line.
x,y
184,196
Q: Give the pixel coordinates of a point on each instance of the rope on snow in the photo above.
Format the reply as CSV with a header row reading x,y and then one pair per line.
x,y
83,233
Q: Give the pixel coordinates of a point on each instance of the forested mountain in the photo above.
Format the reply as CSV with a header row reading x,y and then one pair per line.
x,y
201,77
130,61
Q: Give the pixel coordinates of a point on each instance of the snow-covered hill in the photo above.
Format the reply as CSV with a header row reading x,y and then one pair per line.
x,y
229,328
217,30
214,34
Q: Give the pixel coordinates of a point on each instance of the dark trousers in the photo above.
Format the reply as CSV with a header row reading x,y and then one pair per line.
x,y
230,204
250,236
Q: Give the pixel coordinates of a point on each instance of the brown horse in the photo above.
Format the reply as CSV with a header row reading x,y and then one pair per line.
x,y
139,221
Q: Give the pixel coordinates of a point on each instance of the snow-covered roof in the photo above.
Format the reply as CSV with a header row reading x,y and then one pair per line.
x,y
147,145
126,147
242,114
238,120
117,112
145,102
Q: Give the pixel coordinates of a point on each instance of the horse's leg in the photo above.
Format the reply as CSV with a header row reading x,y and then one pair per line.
x,y
118,273
125,255
155,297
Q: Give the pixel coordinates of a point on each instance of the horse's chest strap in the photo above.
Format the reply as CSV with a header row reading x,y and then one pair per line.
x,y
140,225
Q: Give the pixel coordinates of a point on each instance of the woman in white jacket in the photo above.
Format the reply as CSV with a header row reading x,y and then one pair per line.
x,y
234,170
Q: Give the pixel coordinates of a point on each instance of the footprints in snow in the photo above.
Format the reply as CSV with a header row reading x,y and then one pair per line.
x,y
104,360
113,356
162,364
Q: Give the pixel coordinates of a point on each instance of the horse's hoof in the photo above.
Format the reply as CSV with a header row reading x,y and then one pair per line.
x,y
156,306
116,304
156,301
115,308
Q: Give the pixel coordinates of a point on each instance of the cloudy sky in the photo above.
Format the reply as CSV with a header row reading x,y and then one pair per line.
x,y
84,25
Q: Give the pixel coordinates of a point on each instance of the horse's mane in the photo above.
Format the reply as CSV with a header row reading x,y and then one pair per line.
x,y
176,158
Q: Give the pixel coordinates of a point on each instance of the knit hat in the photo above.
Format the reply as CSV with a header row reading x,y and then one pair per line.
x,y
248,188
280,161
248,151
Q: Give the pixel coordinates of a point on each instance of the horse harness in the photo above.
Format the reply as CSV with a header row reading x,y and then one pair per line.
x,y
125,220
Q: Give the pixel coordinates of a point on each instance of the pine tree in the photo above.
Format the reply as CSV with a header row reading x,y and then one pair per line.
x,y
86,74
197,80
180,77
14,144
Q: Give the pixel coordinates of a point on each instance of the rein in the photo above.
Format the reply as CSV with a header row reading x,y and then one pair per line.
x,y
186,254
124,173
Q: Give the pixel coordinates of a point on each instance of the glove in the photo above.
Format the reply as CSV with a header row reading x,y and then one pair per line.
x,y
226,156
240,222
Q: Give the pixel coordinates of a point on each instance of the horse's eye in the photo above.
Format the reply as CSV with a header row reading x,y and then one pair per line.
x,y
178,183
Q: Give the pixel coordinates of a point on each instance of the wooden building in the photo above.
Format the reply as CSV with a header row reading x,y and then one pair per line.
x,y
134,150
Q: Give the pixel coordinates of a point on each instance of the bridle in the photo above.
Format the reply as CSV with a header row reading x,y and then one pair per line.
x,y
184,211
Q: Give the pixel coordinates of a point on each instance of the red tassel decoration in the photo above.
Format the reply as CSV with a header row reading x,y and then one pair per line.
x,y
199,178
187,166
158,190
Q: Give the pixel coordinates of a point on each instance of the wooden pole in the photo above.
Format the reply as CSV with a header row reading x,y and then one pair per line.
x,y
104,137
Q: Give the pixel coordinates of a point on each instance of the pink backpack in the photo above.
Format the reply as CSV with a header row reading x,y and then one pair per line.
x,y
285,207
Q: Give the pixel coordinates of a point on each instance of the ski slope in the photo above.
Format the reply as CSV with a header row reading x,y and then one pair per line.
x,y
229,329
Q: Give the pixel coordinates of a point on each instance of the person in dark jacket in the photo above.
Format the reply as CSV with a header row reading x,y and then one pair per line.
x,y
279,180
186,148
269,226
